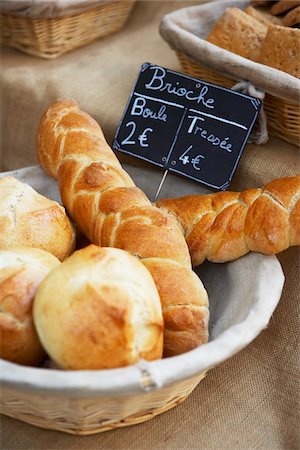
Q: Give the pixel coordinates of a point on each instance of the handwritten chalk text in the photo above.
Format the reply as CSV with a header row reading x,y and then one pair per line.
x,y
210,137
158,83
139,109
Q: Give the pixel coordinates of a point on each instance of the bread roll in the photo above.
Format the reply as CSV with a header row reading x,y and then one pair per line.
x,y
99,309
21,271
29,219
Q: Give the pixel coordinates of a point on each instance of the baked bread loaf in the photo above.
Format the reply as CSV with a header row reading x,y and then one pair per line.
x,y
112,212
108,316
224,226
28,219
263,15
292,18
283,6
239,33
281,49
21,271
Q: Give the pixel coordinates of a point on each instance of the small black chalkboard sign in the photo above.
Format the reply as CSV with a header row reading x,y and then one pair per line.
x,y
187,126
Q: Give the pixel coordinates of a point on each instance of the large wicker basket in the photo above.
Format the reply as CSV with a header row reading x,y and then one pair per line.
x,y
283,117
50,38
86,402
92,413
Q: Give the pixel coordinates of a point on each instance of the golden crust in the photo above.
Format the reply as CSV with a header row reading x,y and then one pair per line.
x,y
186,319
103,200
239,33
281,49
21,271
292,18
224,226
108,316
28,219
187,325
283,6
263,16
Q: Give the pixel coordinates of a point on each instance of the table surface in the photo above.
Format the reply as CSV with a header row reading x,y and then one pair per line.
x,y
252,400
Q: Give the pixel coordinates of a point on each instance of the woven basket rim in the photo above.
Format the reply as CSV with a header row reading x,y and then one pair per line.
x,y
146,376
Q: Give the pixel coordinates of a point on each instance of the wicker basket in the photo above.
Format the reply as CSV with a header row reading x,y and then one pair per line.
x,y
283,117
50,38
84,402
90,415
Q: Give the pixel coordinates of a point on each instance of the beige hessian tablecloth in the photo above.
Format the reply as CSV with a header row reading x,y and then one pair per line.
x,y
252,400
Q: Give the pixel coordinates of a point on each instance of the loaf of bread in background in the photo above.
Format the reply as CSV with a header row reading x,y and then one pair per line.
x,y
292,19
28,219
21,271
239,33
283,6
99,309
263,15
254,35
281,49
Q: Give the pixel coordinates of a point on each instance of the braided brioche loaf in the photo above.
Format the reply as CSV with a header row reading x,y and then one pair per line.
x,y
112,212
224,226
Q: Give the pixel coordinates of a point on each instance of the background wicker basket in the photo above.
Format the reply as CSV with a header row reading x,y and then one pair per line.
x,y
50,38
283,117
186,30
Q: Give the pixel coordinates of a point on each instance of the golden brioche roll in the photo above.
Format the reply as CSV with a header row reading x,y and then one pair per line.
x,y
21,271
99,309
29,219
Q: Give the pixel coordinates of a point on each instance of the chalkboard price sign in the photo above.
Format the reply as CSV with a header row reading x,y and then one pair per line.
x,y
185,125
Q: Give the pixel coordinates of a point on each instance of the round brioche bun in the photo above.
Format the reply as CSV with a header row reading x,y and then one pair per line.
x,y
28,219
99,309
21,271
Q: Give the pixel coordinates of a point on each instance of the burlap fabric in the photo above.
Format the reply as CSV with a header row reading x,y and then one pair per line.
x,y
252,400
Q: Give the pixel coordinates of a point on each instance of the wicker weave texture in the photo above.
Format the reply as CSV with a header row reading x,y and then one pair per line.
x,y
50,38
83,416
283,117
